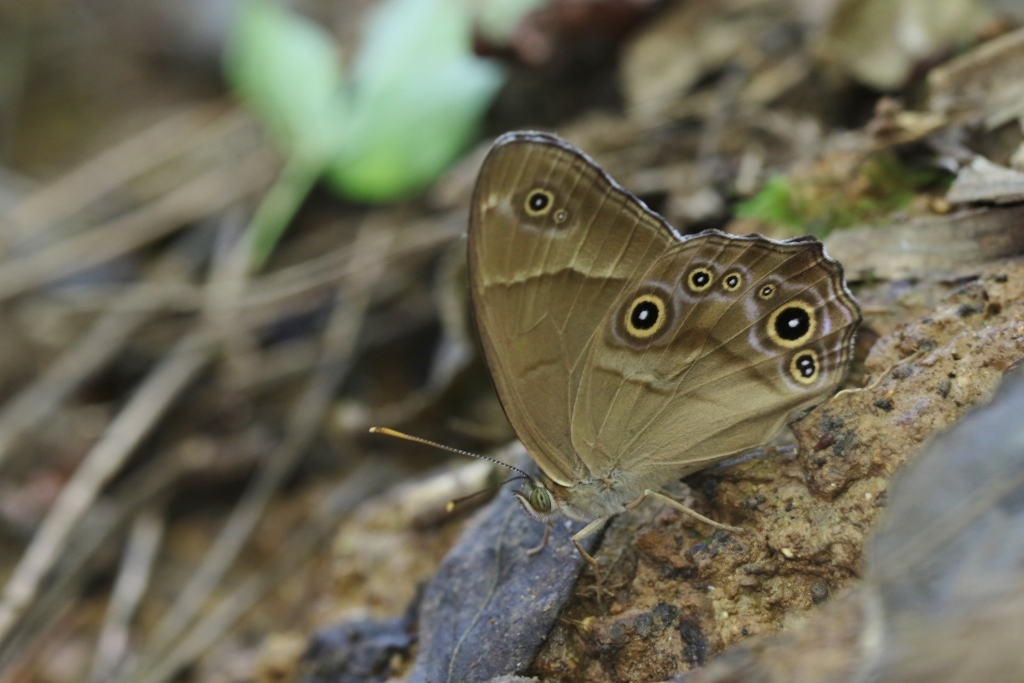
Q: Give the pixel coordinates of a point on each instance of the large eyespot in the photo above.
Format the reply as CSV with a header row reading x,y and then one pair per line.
x,y
699,279
539,202
792,324
645,316
732,281
804,367
540,499
766,292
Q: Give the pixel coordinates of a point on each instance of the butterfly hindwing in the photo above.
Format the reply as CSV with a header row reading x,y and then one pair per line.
x,y
709,351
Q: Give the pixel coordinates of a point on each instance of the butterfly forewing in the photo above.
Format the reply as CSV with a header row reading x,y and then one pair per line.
x,y
552,243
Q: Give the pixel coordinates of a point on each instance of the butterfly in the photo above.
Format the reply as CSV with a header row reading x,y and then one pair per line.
x,y
625,354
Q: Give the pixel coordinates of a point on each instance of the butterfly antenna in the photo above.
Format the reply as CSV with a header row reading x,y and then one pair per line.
x,y
415,439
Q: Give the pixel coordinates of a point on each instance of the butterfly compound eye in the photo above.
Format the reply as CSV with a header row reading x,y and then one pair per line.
x,y
540,499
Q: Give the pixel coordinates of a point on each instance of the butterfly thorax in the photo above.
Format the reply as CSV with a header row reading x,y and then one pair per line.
x,y
598,496
584,501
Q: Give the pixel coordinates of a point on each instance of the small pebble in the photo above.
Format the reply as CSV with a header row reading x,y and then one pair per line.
x,y
819,592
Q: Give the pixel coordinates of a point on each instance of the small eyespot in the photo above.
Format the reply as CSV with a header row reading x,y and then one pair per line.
x,y
645,316
804,367
732,282
540,499
561,216
700,278
792,324
538,202
766,292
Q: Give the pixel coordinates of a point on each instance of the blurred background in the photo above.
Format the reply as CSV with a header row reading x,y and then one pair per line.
x,y
231,240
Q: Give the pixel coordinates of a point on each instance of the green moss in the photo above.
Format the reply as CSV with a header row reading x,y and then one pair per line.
x,y
773,204
882,185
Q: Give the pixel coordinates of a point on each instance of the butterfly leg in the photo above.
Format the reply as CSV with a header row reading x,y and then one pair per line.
x,y
543,542
675,504
888,373
583,533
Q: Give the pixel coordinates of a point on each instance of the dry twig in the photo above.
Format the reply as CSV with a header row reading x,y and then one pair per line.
x,y
40,399
66,196
156,394
372,242
358,486
209,193
136,569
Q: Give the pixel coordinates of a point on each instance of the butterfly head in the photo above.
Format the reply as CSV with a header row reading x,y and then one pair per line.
x,y
538,501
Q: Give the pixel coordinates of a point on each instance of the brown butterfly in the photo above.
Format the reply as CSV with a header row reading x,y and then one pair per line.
x,y
626,355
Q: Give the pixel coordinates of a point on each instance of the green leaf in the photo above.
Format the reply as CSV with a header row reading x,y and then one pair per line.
x,y
407,134
419,94
286,68
411,105
404,35
498,19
